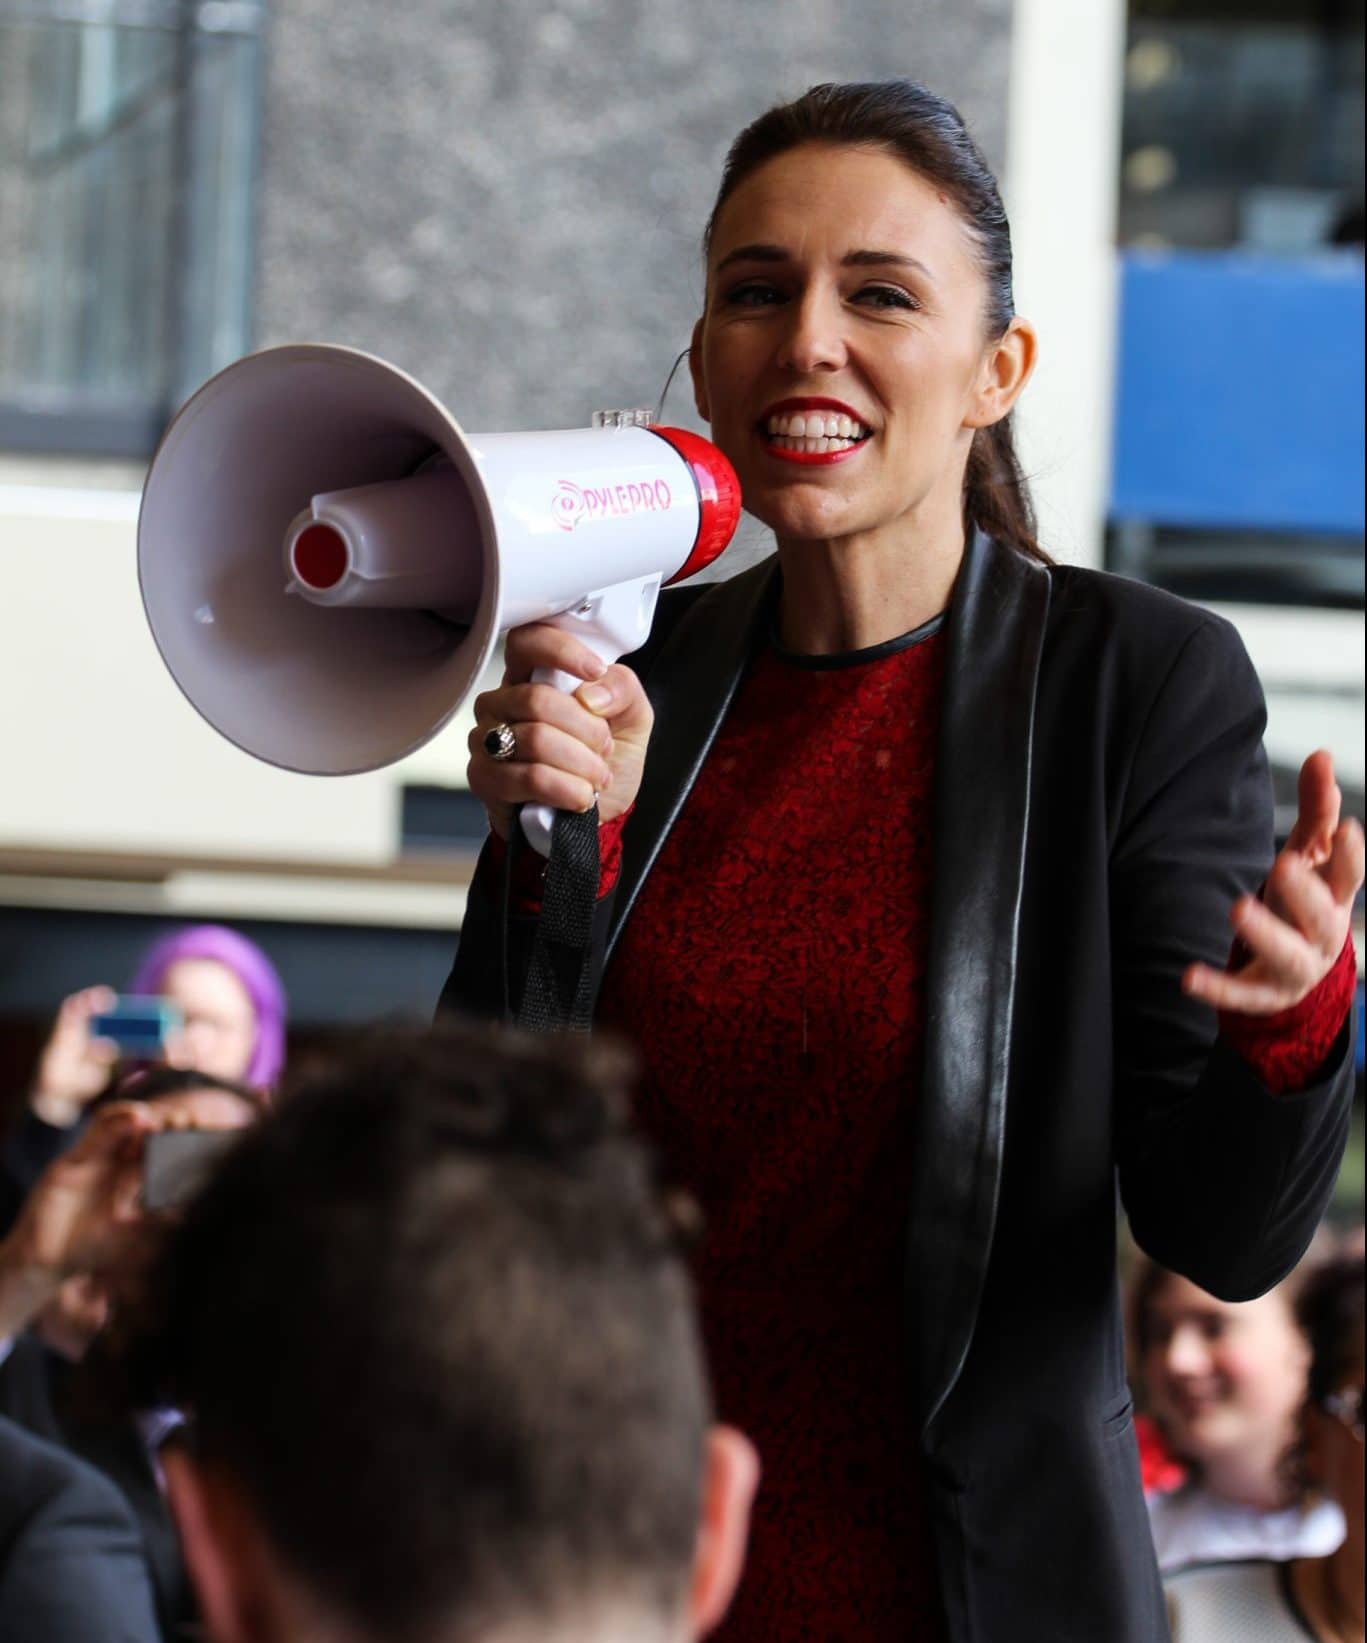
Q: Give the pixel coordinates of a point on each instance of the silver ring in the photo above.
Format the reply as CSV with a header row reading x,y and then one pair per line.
x,y
500,742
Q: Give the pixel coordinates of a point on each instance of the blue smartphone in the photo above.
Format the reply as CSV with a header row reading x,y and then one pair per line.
x,y
138,1025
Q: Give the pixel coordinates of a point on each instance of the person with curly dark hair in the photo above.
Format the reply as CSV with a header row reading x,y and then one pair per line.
x,y
432,1328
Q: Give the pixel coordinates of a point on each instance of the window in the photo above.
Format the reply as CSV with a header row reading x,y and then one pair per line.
x,y
1237,462
1243,124
128,136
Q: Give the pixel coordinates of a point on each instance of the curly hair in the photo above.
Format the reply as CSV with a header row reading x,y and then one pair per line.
x,y
432,1316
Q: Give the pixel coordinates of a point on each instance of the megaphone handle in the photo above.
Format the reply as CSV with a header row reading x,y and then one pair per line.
x,y
612,623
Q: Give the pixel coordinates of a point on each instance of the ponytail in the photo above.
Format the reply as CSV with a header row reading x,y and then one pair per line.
x,y
996,495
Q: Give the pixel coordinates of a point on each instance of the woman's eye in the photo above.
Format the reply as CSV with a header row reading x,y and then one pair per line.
x,y
885,296
752,294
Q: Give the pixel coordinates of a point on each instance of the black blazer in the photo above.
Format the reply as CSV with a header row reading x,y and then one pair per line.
x,y
1101,799
71,1564
39,1390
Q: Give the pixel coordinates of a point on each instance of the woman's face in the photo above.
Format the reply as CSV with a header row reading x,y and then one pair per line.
x,y
219,1032
843,290
1223,1377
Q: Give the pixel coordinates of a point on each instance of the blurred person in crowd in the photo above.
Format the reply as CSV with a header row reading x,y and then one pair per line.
x,y
232,1008
1309,1596
83,1227
1224,1382
917,857
432,1329
72,1568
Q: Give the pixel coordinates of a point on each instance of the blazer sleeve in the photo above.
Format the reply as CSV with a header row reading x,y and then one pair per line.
x,y
1222,1180
71,1558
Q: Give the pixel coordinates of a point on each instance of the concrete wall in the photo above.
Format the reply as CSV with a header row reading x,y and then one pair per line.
x,y
506,198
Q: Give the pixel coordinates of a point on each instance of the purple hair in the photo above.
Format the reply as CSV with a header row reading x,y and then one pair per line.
x,y
251,967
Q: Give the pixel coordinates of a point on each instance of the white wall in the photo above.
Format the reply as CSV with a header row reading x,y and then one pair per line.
x,y
1063,165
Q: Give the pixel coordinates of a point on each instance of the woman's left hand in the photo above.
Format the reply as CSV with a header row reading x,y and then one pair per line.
x,y
1296,931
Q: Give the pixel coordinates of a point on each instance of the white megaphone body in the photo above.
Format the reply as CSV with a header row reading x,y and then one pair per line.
x,y
327,561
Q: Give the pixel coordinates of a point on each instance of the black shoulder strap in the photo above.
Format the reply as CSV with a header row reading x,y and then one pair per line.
x,y
558,994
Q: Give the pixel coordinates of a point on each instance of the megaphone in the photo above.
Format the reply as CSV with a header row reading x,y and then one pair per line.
x,y
327,560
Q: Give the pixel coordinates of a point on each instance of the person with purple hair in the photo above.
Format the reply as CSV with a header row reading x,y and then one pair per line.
x,y
232,1007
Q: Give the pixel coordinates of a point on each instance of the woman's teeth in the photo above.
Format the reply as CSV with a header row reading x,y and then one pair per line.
x,y
815,431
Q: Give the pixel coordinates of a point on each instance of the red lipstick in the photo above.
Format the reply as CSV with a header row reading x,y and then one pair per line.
x,y
810,402
814,458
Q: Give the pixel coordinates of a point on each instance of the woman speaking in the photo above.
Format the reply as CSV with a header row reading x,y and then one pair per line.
x,y
919,858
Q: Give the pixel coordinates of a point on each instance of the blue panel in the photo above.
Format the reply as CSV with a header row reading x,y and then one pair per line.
x,y
1240,392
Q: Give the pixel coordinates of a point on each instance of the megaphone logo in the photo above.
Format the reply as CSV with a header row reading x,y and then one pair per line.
x,y
327,560
568,506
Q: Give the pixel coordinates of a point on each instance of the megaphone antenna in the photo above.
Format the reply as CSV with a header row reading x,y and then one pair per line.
x,y
669,382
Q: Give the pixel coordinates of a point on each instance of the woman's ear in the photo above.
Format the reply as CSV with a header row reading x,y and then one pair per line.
x,y
696,372
730,1478
1005,369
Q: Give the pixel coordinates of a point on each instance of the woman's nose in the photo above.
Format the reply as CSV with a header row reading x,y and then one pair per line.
x,y
815,337
1186,1352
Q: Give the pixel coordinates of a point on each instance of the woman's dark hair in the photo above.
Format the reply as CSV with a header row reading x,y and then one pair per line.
x,y
929,134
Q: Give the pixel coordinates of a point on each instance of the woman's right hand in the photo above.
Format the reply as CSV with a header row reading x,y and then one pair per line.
x,y
75,1066
569,747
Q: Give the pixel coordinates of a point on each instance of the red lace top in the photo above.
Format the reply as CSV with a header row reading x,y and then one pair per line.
x,y
778,1007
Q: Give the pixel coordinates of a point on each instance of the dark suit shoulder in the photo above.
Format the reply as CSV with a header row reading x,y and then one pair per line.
x,y
40,1478
1135,646
1132,612
71,1559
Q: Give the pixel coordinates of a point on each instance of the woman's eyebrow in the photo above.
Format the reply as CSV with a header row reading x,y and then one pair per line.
x,y
851,259
885,259
752,253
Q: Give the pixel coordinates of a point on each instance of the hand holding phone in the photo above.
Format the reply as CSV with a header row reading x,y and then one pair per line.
x,y
75,1065
139,1025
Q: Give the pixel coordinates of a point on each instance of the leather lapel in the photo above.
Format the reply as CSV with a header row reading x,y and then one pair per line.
x,y
982,813
690,682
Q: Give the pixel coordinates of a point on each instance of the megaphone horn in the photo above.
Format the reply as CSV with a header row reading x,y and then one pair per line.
x,y
327,560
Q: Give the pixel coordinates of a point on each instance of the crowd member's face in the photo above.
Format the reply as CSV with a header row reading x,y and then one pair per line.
x,y
1223,1377
841,274
219,1032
